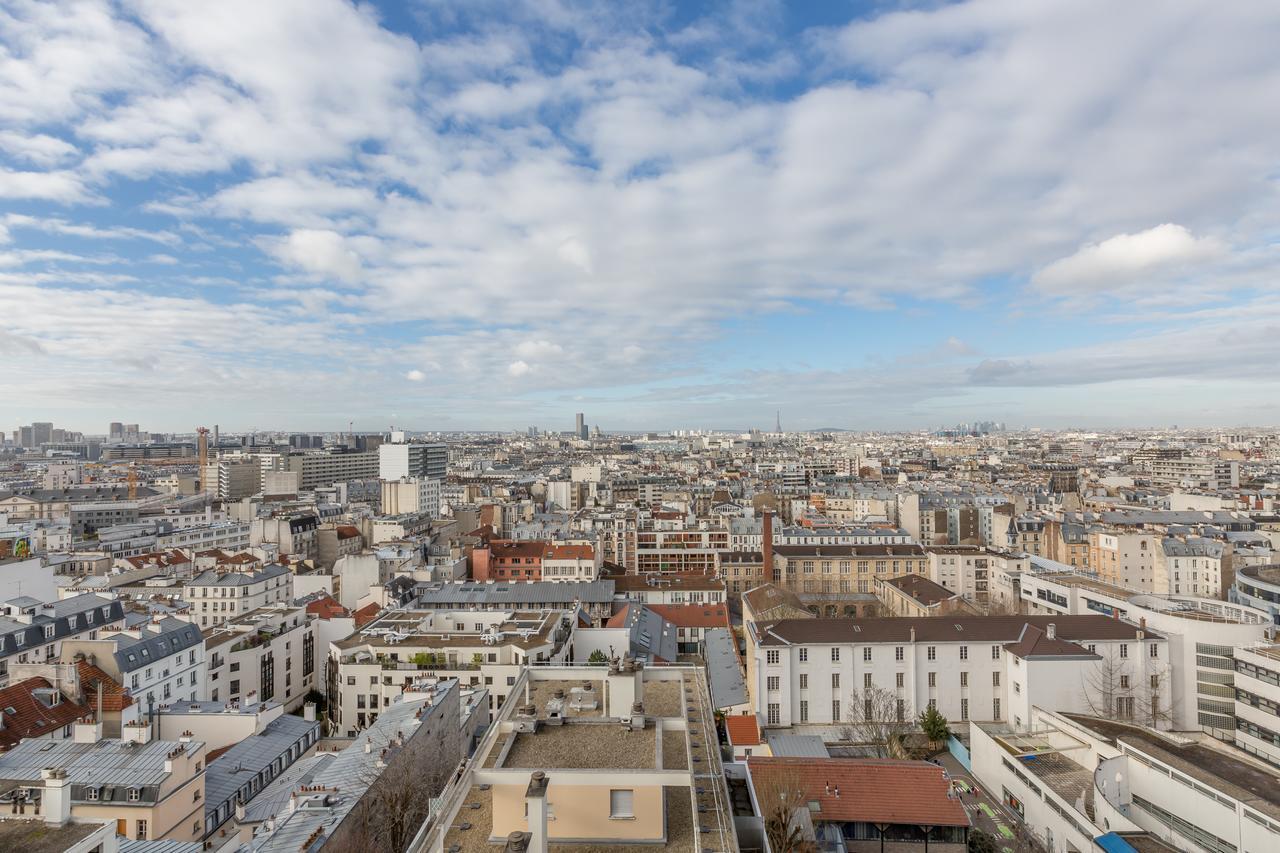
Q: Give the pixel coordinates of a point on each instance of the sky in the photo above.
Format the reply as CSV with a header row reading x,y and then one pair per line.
x,y
491,215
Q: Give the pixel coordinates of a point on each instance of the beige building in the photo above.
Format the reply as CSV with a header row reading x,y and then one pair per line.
x,y
607,757
845,568
150,789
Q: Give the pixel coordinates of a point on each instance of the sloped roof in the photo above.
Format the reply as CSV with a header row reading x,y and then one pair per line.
x,y
868,790
743,729
26,714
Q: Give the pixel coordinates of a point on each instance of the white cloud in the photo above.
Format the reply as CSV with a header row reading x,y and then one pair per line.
x,y
1127,259
65,187
416,376
518,368
323,253
540,349
38,149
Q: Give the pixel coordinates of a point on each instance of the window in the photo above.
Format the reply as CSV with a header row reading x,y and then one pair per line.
x,y
995,709
142,830
835,681
48,631
804,681
964,653
964,679
772,682
866,709
964,709
804,711
771,656
897,653
995,653
933,679
866,655
1155,650
1155,682
773,714
1124,650
1124,682
835,710
1017,689
932,653
835,654
91,793
621,805
902,710
900,678
134,795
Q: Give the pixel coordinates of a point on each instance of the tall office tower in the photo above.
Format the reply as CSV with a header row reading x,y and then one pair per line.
x,y
26,438
116,431
429,461
41,433
215,435
580,425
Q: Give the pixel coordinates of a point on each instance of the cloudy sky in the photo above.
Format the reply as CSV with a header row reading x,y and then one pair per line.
x,y
480,214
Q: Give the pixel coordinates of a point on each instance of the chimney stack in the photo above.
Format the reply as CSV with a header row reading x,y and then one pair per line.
x,y
1051,631
56,798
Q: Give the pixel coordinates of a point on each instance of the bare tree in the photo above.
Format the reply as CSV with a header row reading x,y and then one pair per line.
x,y
1115,691
398,796
782,798
877,717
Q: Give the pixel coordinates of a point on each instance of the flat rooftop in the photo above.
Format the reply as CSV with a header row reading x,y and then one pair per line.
x,y
1064,777
1232,776
33,836
584,745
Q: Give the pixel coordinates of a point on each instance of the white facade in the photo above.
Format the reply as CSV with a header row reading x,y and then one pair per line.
x,y
267,655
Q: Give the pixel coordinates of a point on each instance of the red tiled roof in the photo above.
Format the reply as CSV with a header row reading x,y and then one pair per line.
x,y
504,549
31,717
114,697
367,614
693,615
743,729
346,531
869,790
327,608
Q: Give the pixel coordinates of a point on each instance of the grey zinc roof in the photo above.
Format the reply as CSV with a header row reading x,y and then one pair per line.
x,y
523,592
238,765
135,653
275,797
724,673
107,762
350,771
796,746
133,845
216,578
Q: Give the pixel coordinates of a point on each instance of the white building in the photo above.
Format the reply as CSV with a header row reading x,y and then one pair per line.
x,y
411,496
417,460
158,662
266,655
225,593
809,671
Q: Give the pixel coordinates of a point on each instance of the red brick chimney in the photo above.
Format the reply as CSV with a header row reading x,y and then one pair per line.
x,y
768,546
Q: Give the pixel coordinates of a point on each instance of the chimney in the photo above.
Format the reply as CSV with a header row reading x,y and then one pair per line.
x,y
87,730
309,712
517,842
1051,631
137,732
56,799
535,798
768,545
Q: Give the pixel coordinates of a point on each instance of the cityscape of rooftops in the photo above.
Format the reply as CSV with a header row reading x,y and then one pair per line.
x,y
563,426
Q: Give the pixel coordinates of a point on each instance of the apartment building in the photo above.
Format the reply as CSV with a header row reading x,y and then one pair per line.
x,y
233,589
150,789
233,478
808,671
916,595
32,631
969,570
1203,635
1124,557
1191,566
1258,587
594,599
158,662
400,460
743,570
411,496
605,757
672,542
668,589
326,467
265,655
1257,700
845,568
1081,782
402,647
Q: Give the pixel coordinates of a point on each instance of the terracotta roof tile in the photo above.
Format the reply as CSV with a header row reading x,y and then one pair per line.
x,y
27,716
743,729
868,790
693,615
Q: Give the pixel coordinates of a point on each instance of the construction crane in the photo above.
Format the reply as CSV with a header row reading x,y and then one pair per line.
x,y
132,480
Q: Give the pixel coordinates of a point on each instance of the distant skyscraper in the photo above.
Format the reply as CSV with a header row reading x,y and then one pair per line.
x,y
116,431
580,425
41,433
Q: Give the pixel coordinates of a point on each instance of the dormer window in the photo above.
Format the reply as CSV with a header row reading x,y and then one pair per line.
x,y
88,617
91,793
135,794
48,631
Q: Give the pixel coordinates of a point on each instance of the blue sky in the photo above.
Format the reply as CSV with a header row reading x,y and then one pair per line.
x,y
494,214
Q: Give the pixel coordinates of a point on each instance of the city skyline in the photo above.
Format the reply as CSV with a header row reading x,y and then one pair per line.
x,y
869,216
